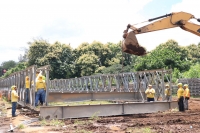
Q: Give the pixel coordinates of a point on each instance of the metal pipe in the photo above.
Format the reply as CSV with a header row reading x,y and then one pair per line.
x,y
47,87
160,17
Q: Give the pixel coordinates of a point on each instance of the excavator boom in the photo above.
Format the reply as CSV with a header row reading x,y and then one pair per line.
x,y
172,20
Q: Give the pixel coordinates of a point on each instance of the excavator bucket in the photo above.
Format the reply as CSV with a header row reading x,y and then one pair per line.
x,y
131,46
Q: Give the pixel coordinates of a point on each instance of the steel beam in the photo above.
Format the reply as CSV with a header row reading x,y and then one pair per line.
x,y
65,97
63,112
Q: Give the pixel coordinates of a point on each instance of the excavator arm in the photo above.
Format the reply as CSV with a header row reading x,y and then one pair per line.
x,y
172,20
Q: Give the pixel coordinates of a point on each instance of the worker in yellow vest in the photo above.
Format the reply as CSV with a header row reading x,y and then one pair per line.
x,y
150,92
167,92
27,92
186,96
14,100
180,95
40,90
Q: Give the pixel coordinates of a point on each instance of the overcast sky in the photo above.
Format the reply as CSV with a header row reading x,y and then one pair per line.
x,y
77,21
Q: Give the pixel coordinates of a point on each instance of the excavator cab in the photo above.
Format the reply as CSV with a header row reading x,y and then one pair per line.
x,y
130,44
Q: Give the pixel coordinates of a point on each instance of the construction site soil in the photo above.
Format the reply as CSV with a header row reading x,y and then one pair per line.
x,y
170,121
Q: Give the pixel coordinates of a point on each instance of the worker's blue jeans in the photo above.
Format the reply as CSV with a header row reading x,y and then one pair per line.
x,y
27,95
14,106
39,93
150,99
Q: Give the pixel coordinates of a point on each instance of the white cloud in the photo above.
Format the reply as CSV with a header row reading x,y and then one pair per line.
x,y
86,20
77,21
184,38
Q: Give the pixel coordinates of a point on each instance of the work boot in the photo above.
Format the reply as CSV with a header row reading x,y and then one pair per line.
x,y
15,116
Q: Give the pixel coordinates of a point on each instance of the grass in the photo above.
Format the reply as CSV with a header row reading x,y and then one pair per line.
x,y
79,103
3,110
139,130
85,122
82,131
5,100
56,122
147,130
175,110
94,116
171,111
3,107
195,96
21,126
43,122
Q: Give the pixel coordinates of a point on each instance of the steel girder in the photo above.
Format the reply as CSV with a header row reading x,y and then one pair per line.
x,y
123,82
63,112
134,83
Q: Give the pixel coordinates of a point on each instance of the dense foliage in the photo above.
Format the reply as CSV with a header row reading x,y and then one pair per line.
x,y
167,55
98,58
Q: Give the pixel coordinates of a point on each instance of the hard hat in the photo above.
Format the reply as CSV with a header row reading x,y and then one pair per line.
x,y
179,84
150,85
186,85
167,85
12,87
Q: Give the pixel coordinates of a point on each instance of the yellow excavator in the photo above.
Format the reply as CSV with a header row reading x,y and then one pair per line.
x,y
179,19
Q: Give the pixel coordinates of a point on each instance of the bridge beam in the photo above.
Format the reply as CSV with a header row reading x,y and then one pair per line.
x,y
63,112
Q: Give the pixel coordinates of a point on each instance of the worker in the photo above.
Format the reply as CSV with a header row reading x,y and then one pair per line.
x,y
40,90
167,92
180,93
42,98
38,73
14,99
27,92
150,92
186,96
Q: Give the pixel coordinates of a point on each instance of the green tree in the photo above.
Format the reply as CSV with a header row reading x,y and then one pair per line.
x,y
116,68
167,55
194,72
97,48
116,55
88,63
8,64
101,51
20,66
60,58
194,52
37,50
176,75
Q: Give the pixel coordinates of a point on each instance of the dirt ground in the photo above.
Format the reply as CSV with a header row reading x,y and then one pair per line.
x,y
170,121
